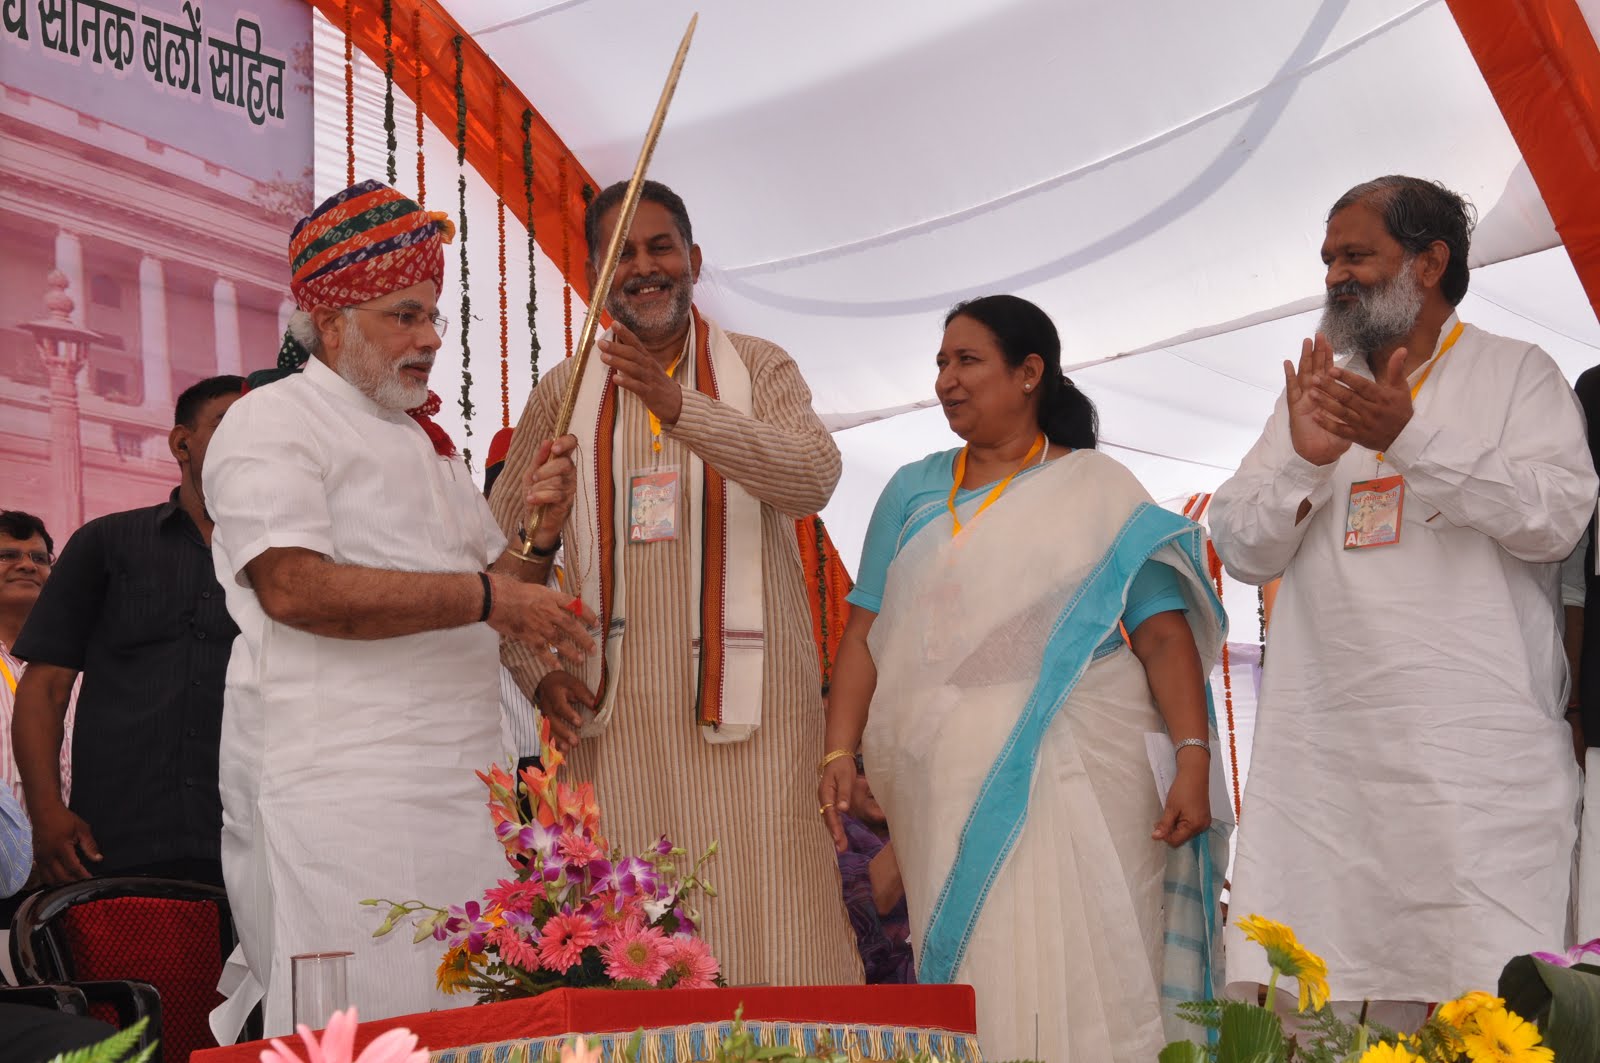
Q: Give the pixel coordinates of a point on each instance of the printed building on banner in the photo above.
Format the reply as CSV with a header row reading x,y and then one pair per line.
x,y
145,219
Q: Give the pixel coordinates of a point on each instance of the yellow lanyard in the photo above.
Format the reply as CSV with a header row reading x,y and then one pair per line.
x,y
5,667
655,422
1444,349
994,492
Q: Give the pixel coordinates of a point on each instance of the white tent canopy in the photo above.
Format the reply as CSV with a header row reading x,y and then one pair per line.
x,y
1155,175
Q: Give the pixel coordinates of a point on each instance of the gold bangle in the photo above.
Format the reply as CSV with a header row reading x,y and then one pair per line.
x,y
831,757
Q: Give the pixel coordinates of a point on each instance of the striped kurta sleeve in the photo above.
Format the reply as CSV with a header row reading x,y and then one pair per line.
x,y
782,455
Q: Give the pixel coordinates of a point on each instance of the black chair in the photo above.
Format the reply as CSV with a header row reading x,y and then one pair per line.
x,y
120,1003
173,935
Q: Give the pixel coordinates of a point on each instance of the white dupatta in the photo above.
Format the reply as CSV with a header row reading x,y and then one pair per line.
x,y
724,537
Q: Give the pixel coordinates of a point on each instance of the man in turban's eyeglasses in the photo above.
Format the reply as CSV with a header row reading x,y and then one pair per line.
x,y
371,587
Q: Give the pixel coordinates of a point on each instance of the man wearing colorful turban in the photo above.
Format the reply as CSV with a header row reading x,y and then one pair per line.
x,y
371,586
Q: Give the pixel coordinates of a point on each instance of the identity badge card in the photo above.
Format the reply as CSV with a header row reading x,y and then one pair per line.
x,y
1376,507
653,505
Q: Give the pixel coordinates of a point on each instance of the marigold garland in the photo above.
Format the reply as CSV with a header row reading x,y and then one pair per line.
x,y
416,52
388,85
533,249
500,230
566,252
349,96
1261,620
466,287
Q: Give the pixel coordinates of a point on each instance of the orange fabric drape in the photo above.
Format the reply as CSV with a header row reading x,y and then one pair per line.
x,y
1541,64
553,216
829,610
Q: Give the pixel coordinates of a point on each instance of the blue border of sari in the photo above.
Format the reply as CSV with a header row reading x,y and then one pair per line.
x,y
1001,809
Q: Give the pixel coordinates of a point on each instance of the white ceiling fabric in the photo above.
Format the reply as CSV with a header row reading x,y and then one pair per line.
x,y
1153,174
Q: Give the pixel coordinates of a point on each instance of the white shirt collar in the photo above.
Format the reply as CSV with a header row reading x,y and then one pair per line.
x,y
1358,363
323,376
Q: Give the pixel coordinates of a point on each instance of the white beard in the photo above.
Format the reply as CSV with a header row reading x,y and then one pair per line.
x,y
663,321
371,371
1380,316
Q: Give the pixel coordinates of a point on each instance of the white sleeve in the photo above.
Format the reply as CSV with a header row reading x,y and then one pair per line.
x,y
494,540
1252,515
1527,483
264,484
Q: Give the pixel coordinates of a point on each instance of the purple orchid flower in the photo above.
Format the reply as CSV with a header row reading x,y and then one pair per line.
x,y
631,877
1589,952
588,911
468,918
523,923
449,929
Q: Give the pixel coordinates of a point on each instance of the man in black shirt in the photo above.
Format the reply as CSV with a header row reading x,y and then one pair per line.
x,y
134,605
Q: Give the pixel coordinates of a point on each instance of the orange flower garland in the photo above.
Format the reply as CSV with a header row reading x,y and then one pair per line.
x,y
566,253
500,227
349,97
416,52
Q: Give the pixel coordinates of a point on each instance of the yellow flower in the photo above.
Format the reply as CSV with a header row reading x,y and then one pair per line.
x,y
1288,957
1458,1014
456,968
1501,1036
1383,1053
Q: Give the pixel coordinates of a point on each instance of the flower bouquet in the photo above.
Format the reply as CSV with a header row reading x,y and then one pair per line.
x,y
574,912
1473,1028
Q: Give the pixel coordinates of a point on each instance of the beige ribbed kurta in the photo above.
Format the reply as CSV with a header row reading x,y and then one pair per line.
x,y
778,918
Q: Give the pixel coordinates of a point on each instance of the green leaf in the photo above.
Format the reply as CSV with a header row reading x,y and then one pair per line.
x,y
1182,1052
1250,1034
1572,1029
1524,991
112,1050
1206,1013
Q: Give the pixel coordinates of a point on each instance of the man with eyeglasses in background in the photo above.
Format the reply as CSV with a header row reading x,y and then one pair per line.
x,y
27,553
133,606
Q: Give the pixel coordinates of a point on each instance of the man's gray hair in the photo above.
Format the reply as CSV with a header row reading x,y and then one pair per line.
x,y
304,331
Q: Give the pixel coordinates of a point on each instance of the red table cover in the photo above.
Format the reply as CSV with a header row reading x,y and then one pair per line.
x,y
937,1007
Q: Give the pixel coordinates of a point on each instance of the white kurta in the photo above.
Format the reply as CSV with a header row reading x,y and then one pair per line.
x,y
1411,809
347,765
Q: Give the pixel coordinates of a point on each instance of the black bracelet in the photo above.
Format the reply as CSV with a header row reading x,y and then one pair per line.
x,y
488,597
534,551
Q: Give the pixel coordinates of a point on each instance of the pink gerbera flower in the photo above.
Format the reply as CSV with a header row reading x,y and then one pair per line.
x,y
691,959
641,956
337,1045
628,921
512,896
514,949
565,936
578,851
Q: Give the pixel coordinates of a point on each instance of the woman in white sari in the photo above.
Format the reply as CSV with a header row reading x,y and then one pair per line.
x,y
1006,738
